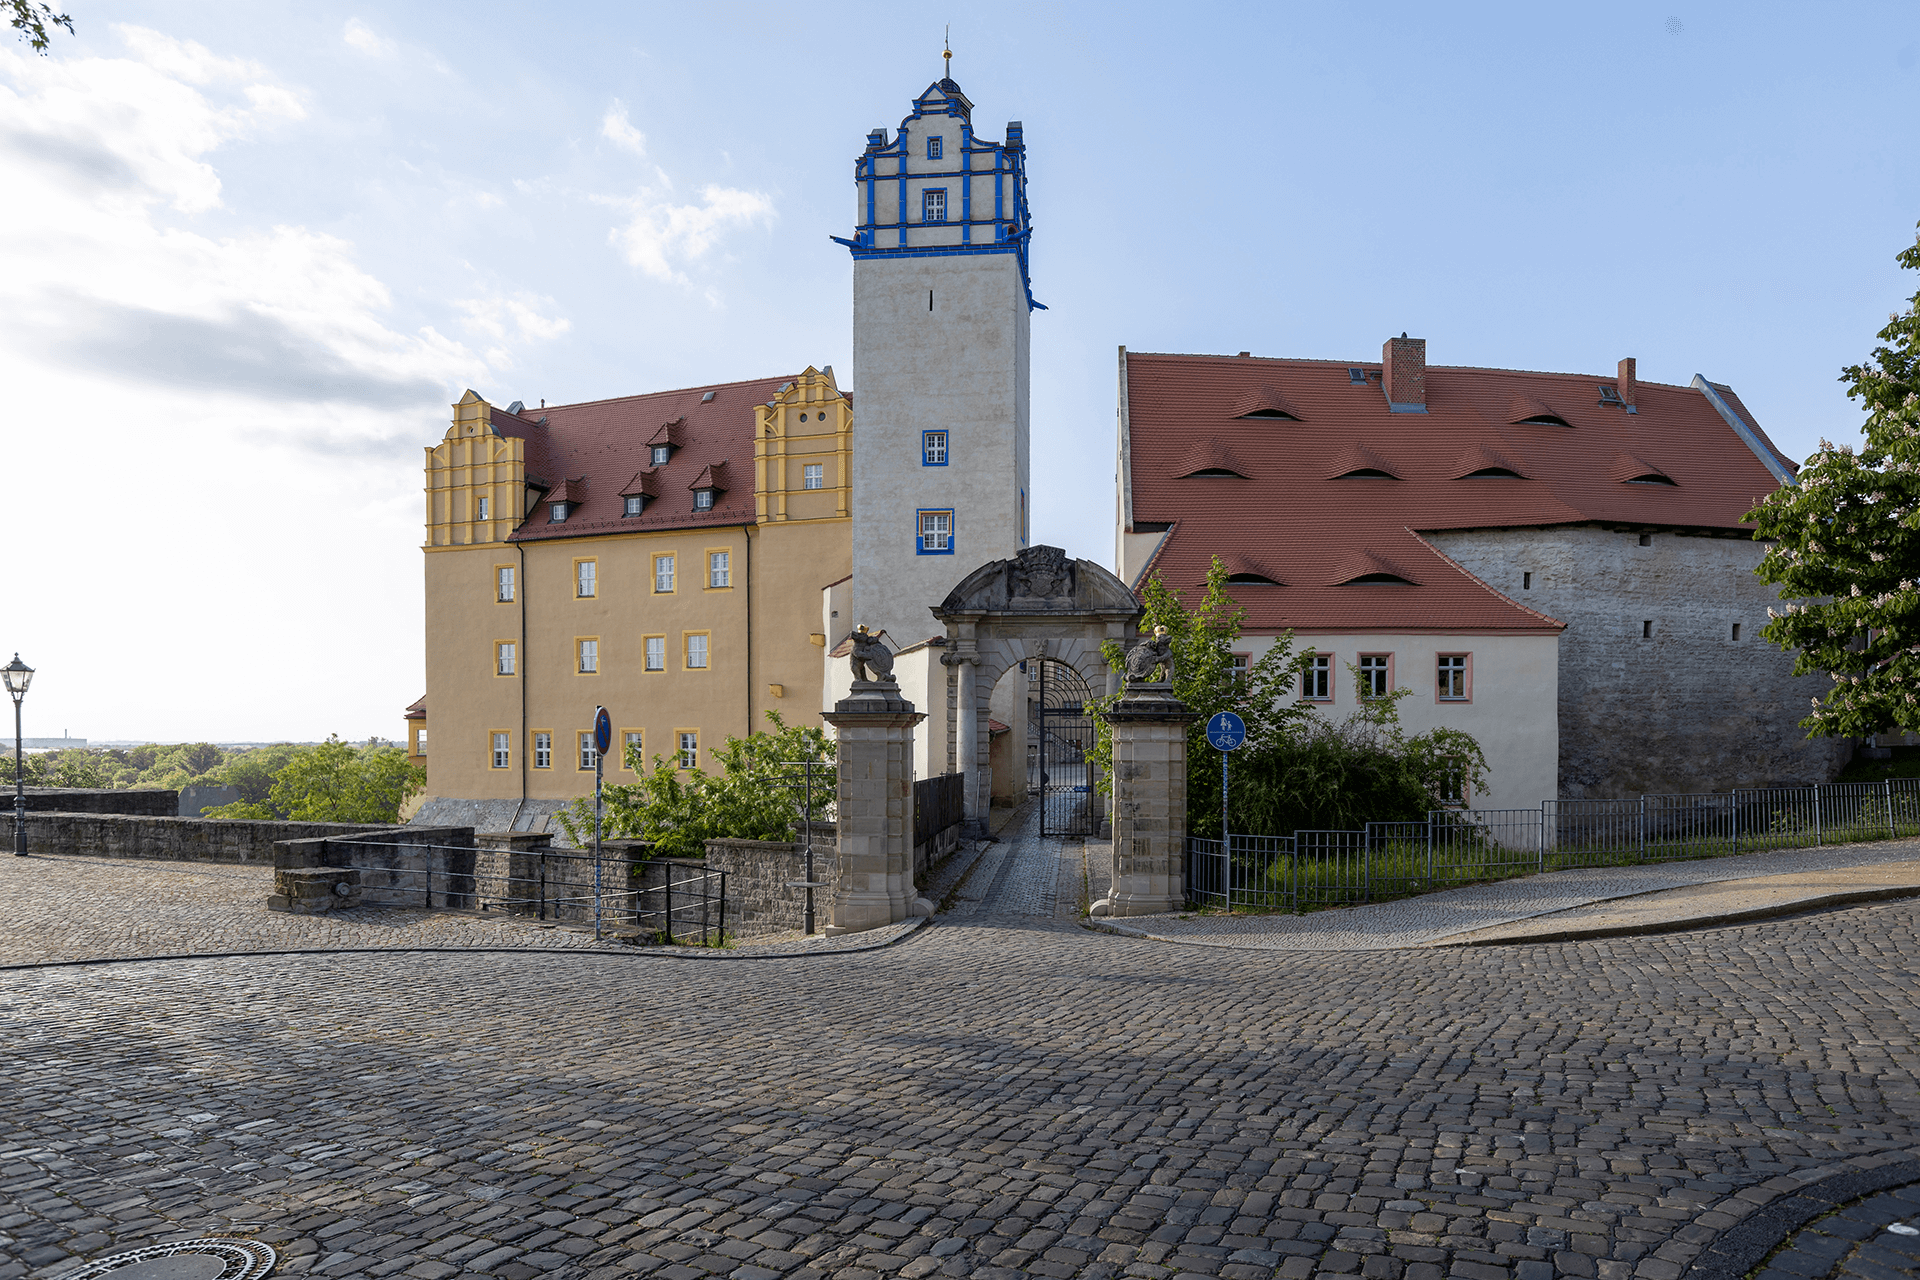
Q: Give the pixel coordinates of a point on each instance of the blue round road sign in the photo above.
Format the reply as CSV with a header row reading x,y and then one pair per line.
x,y
602,730
1226,731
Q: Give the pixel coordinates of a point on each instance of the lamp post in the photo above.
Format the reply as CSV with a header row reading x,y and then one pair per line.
x,y
18,676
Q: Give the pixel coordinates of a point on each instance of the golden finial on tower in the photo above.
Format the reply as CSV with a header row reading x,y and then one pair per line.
x,y
947,53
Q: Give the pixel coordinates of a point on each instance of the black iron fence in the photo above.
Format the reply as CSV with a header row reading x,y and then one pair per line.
x,y
614,892
1452,847
938,803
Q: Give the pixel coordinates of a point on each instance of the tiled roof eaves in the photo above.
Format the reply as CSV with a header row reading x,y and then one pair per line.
x,y
1374,363
538,532
1480,582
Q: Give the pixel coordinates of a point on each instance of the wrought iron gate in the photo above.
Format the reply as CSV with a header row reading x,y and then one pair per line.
x,y
1069,803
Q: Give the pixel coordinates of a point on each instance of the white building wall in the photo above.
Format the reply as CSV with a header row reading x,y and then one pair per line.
x,y
939,343
1513,711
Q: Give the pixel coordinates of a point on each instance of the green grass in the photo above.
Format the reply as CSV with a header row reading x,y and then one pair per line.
x,y
1905,764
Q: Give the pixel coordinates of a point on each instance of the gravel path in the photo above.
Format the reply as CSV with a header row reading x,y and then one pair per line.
x,y
1436,917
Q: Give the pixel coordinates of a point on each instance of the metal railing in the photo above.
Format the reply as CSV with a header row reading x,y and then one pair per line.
x,y
1311,869
938,803
612,891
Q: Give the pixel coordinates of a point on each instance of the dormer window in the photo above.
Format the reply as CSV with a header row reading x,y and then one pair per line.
x,y
1207,472
1280,415
1251,580
1610,394
635,503
662,452
1545,420
1493,473
557,512
1357,377
703,499
1377,580
1653,477
1366,473
935,146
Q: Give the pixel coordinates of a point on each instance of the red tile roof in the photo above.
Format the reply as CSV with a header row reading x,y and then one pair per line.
x,y
594,453
1315,532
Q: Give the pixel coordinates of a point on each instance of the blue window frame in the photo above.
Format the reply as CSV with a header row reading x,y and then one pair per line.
x,y
933,448
935,145
933,532
933,204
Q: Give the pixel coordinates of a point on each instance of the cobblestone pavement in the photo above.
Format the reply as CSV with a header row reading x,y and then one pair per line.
x,y
1874,1238
1437,918
63,909
1004,1094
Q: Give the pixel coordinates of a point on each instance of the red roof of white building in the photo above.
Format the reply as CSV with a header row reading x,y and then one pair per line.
x,y
1327,485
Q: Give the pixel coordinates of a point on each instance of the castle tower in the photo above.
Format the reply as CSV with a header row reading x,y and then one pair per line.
x,y
941,302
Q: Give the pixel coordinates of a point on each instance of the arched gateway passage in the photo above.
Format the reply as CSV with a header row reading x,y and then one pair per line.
x,y
1045,608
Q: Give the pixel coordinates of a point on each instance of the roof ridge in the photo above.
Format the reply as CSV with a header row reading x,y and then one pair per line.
x,y
1372,362
669,391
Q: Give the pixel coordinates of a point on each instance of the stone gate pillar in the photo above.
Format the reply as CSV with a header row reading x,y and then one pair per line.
x,y
1149,802
874,727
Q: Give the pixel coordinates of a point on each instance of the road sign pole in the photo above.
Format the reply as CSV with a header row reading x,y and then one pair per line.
x,y
602,739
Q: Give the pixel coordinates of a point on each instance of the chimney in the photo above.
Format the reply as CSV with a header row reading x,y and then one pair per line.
x,y
1403,374
1629,383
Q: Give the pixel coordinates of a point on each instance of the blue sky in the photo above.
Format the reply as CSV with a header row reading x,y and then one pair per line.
x,y
253,250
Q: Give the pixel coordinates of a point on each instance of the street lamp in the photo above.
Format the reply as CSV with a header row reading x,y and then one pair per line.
x,y
18,676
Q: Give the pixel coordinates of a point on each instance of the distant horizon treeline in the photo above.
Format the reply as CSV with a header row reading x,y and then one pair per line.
x,y
331,781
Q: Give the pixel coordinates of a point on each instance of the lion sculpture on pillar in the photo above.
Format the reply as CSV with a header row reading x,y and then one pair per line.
x,y
872,660
1151,655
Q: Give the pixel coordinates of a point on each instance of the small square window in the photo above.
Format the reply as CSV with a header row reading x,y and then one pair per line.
x,y
481,513
502,751
689,748
1316,681
933,448
589,657
813,476
1736,631
543,750
1646,630
663,573
656,653
557,512
935,146
503,657
635,504
1376,679
584,574
1646,539
719,568
934,536
703,499
589,756
1453,677
697,651
933,204
503,583
661,452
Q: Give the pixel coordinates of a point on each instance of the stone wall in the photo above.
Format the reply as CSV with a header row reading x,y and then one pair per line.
x,y
759,901
1655,694
382,867
103,835
151,801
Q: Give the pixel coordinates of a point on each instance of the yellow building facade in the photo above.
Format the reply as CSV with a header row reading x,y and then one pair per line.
x,y
660,555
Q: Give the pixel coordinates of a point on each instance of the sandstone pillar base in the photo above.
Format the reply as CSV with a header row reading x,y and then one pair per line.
x,y
1149,802
874,729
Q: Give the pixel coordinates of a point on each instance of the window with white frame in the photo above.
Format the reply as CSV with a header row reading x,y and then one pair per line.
x,y
934,536
933,448
504,653
633,747
557,512
656,653
589,656
584,573
636,503
703,499
813,475
935,145
1376,680
481,513
1240,663
1316,679
1453,677
933,204
663,573
503,583
420,742
589,755
543,750
502,751
719,568
661,452
689,748
696,651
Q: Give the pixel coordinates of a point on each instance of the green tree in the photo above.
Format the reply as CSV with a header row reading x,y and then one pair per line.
x,y
1846,548
32,20
252,772
336,782
679,810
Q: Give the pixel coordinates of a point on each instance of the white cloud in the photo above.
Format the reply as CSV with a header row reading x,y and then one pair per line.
x,y
617,129
496,316
660,237
364,38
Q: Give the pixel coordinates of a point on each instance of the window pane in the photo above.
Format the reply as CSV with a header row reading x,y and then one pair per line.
x,y
656,653
814,475
696,651
505,587
718,568
689,750
587,753
584,585
663,573
589,656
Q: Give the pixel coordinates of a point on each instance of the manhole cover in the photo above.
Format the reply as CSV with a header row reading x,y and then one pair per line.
x,y
184,1260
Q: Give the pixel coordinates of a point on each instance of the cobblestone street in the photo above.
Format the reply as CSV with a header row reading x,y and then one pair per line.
x,y
1002,1094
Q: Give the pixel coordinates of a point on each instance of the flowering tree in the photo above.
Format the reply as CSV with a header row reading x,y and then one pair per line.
x,y
1846,548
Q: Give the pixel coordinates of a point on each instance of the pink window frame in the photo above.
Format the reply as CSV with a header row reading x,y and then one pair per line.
x,y
1391,684
1436,679
1333,683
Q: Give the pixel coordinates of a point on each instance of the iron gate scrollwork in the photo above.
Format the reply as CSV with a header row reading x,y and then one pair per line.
x,y
1069,800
